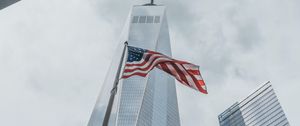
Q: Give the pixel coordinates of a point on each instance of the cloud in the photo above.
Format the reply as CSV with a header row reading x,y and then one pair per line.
x,y
54,55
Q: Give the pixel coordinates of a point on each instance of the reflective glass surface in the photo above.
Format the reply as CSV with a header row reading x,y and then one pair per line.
x,y
6,3
261,108
149,101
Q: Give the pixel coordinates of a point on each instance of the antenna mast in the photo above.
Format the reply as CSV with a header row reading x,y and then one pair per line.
x,y
150,4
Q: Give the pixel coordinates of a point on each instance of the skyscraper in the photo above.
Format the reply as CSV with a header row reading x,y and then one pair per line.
x,y
149,101
5,3
261,108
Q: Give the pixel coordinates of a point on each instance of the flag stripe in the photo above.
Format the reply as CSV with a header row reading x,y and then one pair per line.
x,y
199,86
189,77
148,64
164,67
143,69
174,73
182,77
190,66
195,72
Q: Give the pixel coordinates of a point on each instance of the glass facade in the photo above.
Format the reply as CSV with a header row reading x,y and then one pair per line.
x,y
261,108
142,101
149,101
6,3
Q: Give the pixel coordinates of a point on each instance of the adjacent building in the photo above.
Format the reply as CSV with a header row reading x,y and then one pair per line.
x,y
5,3
261,108
149,101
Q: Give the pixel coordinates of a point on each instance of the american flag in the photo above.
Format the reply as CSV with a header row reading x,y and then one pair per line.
x,y
141,61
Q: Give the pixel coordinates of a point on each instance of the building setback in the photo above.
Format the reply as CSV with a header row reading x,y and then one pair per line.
x,y
261,108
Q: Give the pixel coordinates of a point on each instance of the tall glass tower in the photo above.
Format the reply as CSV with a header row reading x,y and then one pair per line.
x,y
149,101
261,108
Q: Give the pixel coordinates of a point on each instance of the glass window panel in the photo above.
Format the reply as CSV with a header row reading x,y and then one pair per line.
x,y
142,19
135,19
150,19
157,19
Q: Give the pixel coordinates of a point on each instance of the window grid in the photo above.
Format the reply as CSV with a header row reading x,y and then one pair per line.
x,y
261,108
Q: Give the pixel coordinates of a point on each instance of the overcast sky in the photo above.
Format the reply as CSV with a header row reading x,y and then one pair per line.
x,y
54,56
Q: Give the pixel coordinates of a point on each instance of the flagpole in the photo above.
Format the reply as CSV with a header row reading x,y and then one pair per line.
x,y
113,91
